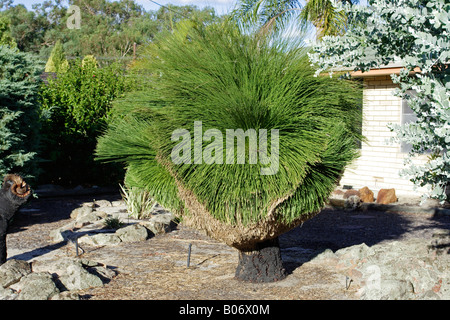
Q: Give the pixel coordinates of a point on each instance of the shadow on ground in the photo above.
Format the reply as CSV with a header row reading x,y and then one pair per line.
x,y
336,229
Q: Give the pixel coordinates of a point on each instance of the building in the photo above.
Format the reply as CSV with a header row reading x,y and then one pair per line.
x,y
380,161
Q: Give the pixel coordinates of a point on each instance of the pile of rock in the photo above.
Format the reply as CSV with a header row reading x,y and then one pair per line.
x,y
89,224
353,198
20,280
394,270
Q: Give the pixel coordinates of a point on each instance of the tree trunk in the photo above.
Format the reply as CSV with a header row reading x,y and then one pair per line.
x,y
262,263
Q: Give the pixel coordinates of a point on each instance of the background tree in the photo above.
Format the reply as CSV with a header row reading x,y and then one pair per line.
x,y
229,80
19,112
5,33
416,32
108,31
273,14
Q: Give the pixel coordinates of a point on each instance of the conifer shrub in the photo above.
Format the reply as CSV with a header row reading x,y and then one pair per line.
x,y
19,112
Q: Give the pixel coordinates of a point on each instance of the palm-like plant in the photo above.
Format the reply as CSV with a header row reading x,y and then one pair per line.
x,y
272,14
228,80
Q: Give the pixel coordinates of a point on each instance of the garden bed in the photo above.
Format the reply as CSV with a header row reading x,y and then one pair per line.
x,y
156,268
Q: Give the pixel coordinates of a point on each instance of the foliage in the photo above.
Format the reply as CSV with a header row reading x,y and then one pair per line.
x,y
57,61
113,223
5,33
109,29
416,32
75,107
275,14
139,202
229,80
19,112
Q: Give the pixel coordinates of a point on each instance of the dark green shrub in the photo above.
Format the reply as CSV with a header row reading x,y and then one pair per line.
x,y
75,107
19,112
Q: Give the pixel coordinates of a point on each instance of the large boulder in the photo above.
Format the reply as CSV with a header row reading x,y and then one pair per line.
x,y
36,286
75,277
386,196
366,195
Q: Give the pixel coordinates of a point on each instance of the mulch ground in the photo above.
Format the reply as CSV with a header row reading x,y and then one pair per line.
x,y
157,268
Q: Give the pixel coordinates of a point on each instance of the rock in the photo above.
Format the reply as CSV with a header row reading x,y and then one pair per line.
x,y
82,211
66,295
76,277
386,196
12,271
103,273
337,194
160,223
102,203
90,217
352,202
7,294
36,286
64,233
351,192
100,239
366,195
132,233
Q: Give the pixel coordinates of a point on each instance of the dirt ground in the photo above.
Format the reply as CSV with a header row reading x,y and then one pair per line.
x,y
156,269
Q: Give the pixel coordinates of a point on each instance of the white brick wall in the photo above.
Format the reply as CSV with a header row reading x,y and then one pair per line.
x,y
380,162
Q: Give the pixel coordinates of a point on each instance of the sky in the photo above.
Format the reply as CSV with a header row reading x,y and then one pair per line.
x,y
220,6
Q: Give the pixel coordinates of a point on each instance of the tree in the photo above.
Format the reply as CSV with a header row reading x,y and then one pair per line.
x,y
57,61
416,32
19,112
75,106
5,33
212,82
269,14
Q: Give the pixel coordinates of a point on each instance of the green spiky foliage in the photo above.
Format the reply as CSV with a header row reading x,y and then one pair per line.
x,y
19,112
229,80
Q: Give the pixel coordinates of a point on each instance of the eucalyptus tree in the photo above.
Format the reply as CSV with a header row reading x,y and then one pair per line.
x,y
415,33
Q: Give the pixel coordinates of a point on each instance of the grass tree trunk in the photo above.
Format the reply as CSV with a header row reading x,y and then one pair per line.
x,y
262,263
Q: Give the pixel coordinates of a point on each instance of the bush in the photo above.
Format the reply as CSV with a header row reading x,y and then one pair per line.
x,y
19,112
231,81
75,106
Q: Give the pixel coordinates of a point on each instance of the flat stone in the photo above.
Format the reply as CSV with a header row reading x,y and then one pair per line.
x,y
12,271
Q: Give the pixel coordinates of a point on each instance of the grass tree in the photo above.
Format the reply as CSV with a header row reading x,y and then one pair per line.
x,y
213,86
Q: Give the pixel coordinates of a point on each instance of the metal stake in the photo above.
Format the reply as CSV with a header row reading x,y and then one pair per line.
x,y
76,245
189,255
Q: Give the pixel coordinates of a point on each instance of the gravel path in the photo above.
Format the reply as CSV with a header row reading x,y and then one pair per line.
x,y
156,268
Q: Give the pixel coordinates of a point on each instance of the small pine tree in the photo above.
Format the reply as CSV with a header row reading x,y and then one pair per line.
x,y
19,112
57,61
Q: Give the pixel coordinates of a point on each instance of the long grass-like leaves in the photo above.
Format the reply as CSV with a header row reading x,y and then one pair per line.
x,y
229,80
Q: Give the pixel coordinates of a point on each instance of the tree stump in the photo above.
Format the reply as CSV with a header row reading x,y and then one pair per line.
x,y
262,263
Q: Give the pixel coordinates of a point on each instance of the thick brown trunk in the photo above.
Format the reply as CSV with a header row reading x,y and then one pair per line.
x,y
262,263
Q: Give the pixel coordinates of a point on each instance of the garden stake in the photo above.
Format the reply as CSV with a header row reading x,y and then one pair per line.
x,y
189,255
76,245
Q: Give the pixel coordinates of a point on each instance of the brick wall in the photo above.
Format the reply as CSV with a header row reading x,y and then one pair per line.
x,y
380,162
